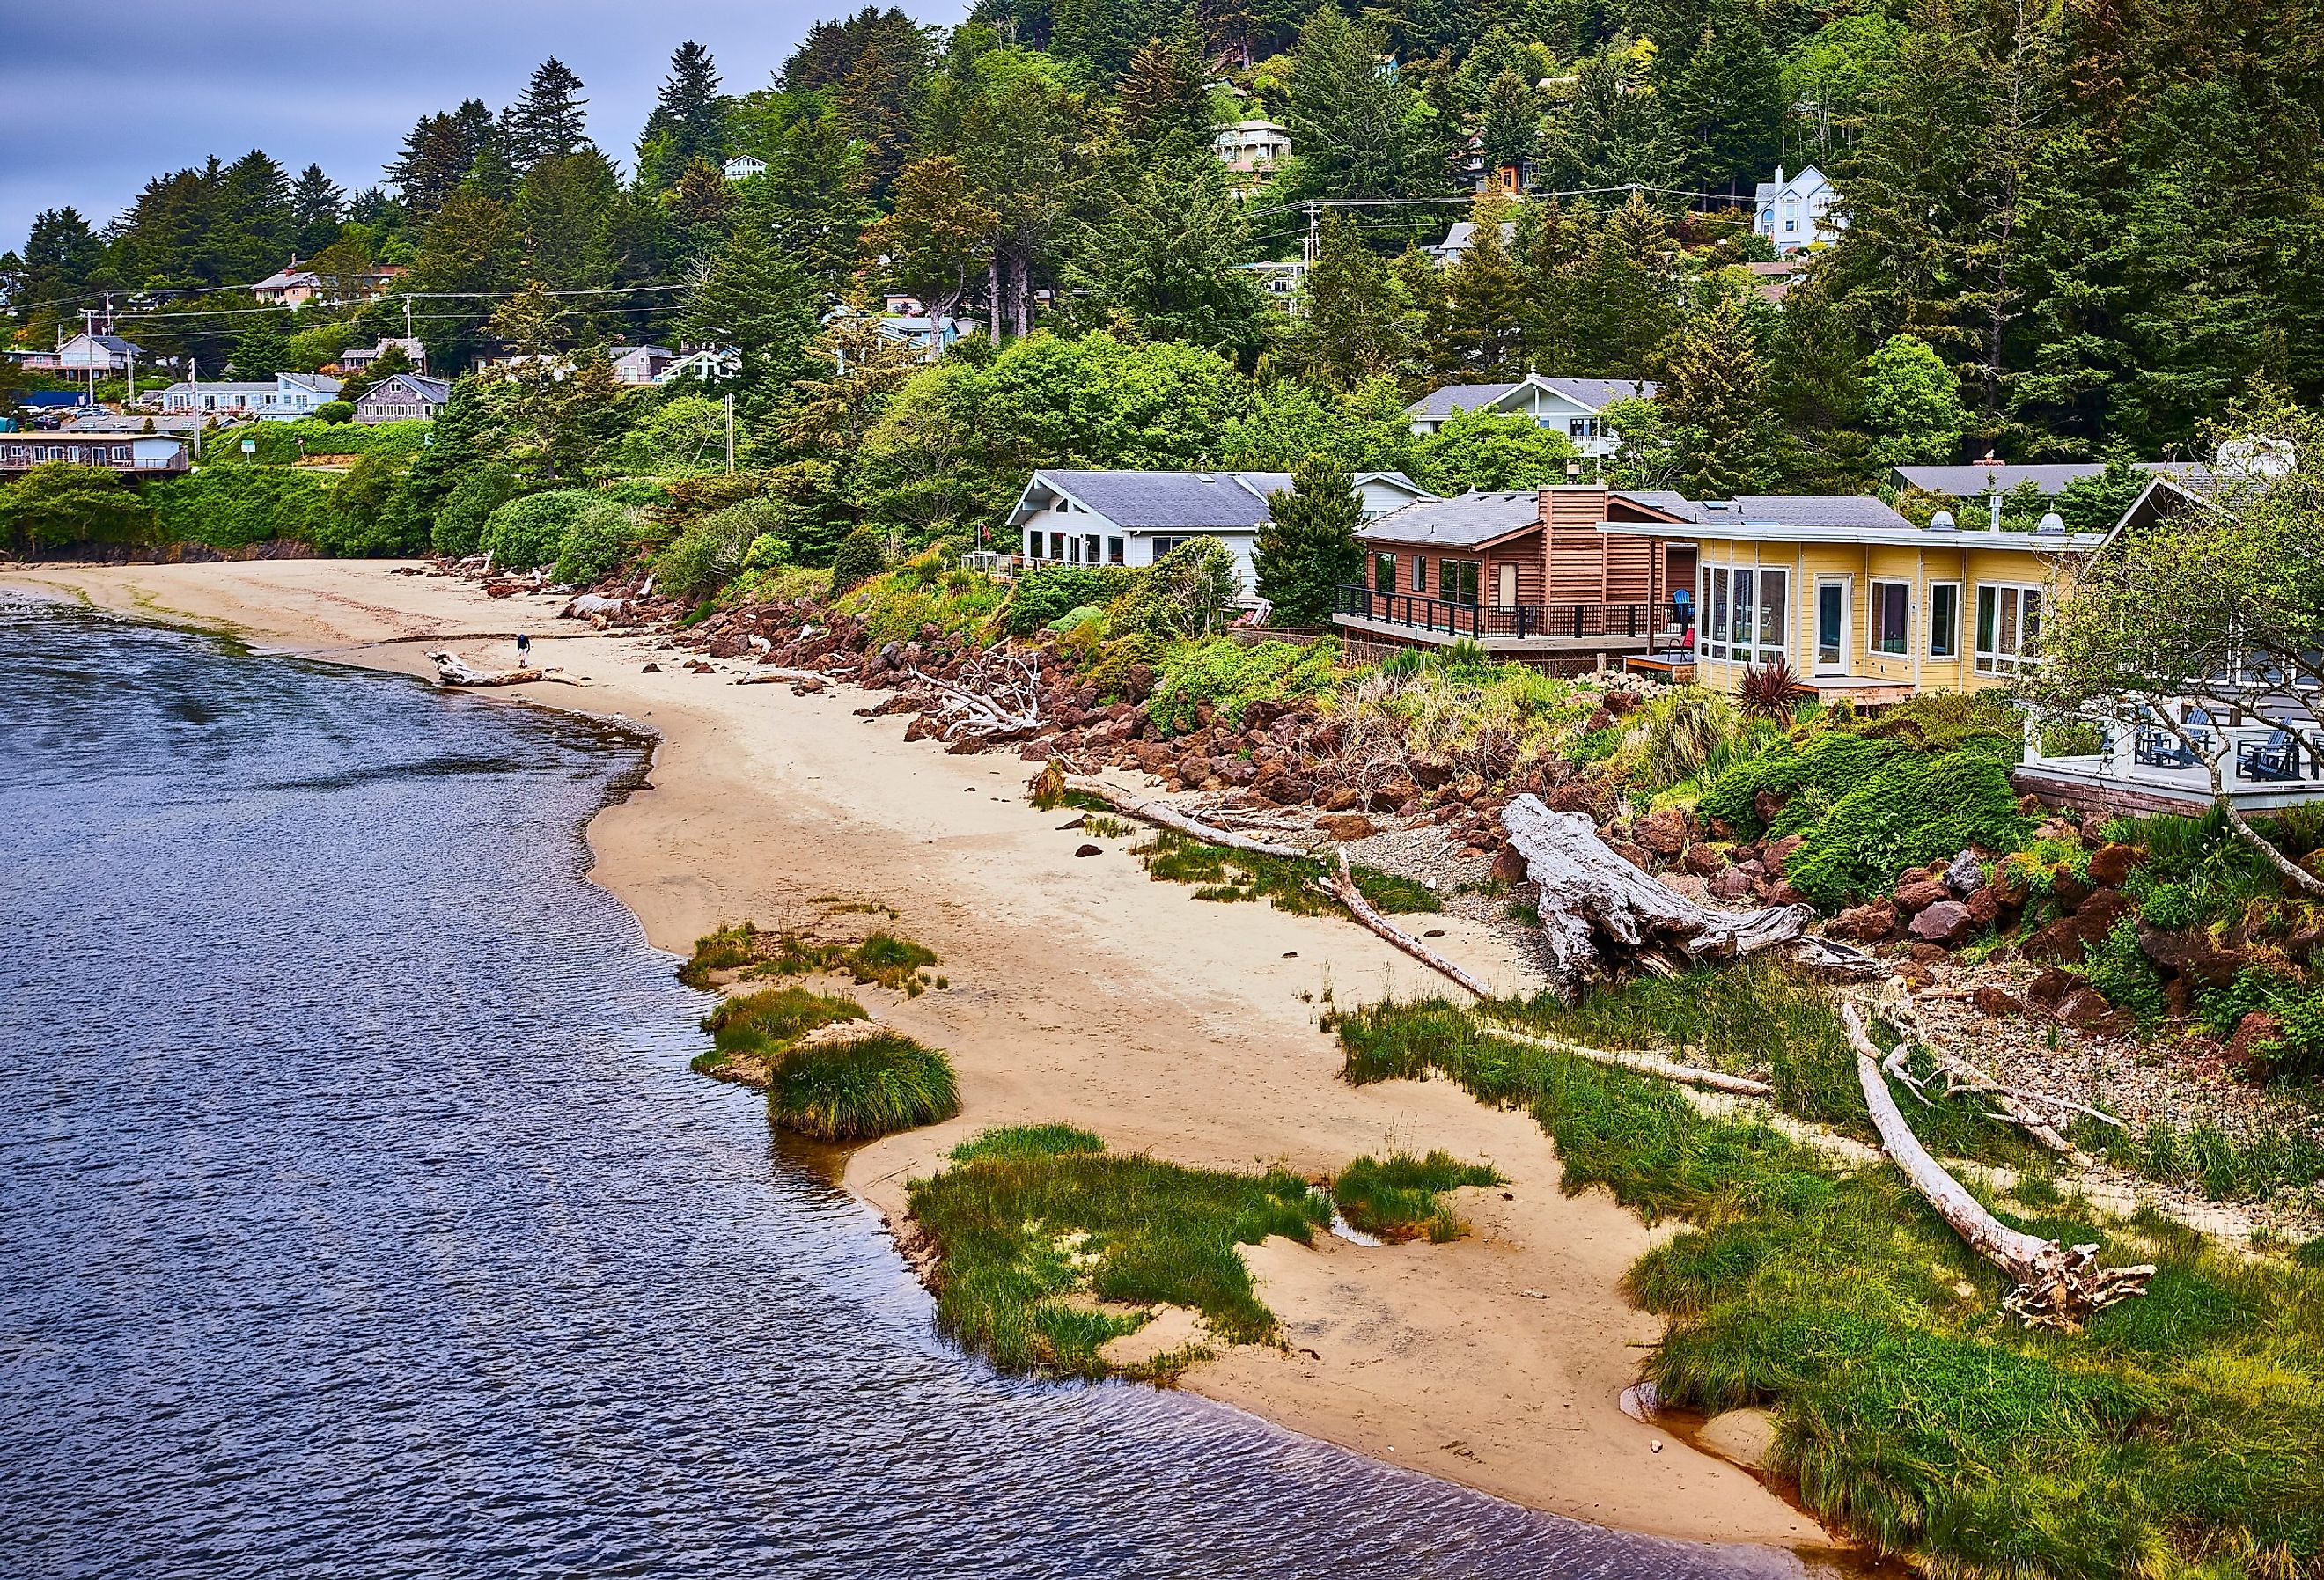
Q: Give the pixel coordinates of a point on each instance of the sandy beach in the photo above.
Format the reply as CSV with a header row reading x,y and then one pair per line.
x,y
1083,992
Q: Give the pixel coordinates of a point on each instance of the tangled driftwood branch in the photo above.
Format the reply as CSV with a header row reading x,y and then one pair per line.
x,y
1163,815
2038,1114
1650,1064
1595,905
777,677
998,697
1340,882
2057,1286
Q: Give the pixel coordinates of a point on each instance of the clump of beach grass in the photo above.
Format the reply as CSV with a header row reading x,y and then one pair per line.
x,y
750,1032
1401,1197
882,957
1290,883
861,1088
2181,1434
1048,1247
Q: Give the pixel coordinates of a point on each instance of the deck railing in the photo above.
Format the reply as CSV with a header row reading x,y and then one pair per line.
x,y
1576,622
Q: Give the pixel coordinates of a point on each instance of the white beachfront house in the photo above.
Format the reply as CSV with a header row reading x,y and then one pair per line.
x,y
1795,211
1135,518
1573,407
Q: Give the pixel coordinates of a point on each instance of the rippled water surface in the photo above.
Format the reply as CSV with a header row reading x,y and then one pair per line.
x,y
358,1214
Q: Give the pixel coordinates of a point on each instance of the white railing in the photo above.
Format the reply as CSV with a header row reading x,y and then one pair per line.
x,y
2249,754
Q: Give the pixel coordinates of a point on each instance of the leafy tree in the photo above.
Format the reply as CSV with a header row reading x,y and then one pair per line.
x,y
1835,79
1165,96
858,369
1356,131
59,503
1307,549
1913,400
863,555
938,236
1489,450
1364,430
1019,133
1162,262
1355,324
688,122
550,121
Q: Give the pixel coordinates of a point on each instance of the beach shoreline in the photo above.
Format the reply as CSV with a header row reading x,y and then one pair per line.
x,y
1084,993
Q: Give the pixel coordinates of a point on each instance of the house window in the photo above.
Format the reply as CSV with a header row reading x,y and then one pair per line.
x,y
1456,580
2008,626
1057,545
1582,427
1073,550
1714,600
1113,551
1892,602
1749,613
1162,546
1089,550
1419,573
1944,619
1774,586
1384,573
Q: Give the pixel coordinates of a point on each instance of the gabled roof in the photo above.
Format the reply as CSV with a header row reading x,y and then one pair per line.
x,y
1804,509
1593,395
113,343
1470,521
1767,191
321,384
1149,501
1668,501
418,383
283,278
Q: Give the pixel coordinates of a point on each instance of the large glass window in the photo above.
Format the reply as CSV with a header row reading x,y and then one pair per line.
x,y
1739,634
1456,580
2009,627
1944,620
1891,606
1419,573
1714,633
1773,593
1383,573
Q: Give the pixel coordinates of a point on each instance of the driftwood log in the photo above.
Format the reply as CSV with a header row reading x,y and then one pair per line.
x,y
1598,912
1163,815
778,677
1340,882
1645,1063
998,698
452,670
2037,1114
2058,1286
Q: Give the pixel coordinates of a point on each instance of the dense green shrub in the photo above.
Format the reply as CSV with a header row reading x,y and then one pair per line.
x,y
336,412
1911,810
530,531
1231,677
1811,774
856,1090
862,554
59,502
1045,593
459,530
233,507
284,444
597,538
711,551
2296,1051
1189,591
2119,969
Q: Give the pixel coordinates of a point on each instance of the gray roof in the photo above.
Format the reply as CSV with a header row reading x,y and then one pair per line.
x,y
1139,501
1803,509
321,383
435,390
1464,523
1594,393
1668,501
2049,476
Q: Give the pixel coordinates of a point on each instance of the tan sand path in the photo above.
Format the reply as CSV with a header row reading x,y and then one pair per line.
x,y
1083,992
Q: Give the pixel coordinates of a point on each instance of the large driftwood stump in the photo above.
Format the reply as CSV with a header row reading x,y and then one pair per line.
x,y
2058,1285
452,670
1599,912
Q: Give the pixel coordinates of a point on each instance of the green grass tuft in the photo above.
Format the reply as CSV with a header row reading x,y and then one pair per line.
x,y
867,1088
1288,883
1398,1199
1035,1227
756,1030
883,957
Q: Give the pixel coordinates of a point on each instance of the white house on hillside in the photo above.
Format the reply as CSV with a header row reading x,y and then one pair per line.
x,y
744,166
99,354
1570,406
1253,147
1794,211
1135,518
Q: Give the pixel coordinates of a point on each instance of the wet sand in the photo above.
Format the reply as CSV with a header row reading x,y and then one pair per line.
x,y
1083,992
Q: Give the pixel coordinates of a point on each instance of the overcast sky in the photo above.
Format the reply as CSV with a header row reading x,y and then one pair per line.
x,y
95,102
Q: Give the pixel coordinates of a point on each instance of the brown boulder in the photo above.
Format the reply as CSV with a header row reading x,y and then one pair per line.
x,y
1731,883
1633,854
2049,990
1433,775
1348,827
2111,864
1466,787
1510,864
1783,893
1767,805
2085,1010
2189,953
1663,833
1579,796
1997,1002
1865,924
1703,860
1340,797
2252,1049
1919,893
1984,907
2068,890
1780,851
2060,943
1946,922
2096,914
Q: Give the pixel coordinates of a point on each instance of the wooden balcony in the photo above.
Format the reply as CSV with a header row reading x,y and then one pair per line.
x,y
1416,619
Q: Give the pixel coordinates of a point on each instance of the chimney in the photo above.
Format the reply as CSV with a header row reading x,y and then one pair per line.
x,y
1779,175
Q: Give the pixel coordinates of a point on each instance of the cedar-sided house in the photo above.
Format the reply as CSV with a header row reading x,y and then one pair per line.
x,y
1545,575
403,397
1135,518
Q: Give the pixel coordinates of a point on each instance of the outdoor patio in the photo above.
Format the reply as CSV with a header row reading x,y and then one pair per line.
x,y
2148,768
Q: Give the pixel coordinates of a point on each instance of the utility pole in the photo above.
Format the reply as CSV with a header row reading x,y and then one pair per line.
x,y
407,315
730,432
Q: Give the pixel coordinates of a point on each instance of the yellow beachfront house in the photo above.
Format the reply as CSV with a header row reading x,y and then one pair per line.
x,y
1862,603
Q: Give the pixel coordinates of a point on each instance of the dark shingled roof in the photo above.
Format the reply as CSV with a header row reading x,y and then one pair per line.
x,y
1458,523
1805,509
1593,393
1668,501
1137,500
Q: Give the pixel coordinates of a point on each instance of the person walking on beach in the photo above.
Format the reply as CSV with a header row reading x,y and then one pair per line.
x,y
523,650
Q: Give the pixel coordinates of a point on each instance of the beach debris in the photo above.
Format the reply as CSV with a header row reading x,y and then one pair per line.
x,y
2057,1286
998,697
1053,784
1642,1061
451,669
777,678
1598,911
1340,882
2038,1114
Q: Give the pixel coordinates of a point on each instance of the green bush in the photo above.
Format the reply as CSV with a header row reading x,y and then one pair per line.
x,y
234,507
284,444
2296,1052
1189,591
1810,774
459,530
1231,677
336,412
529,531
597,538
862,554
2168,905
1911,810
59,503
1047,592
2119,969
712,550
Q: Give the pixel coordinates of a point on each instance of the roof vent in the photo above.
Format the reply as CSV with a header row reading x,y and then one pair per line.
x,y
2053,525
1942,521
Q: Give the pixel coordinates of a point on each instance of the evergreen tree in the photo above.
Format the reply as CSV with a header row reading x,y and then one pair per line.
x,y
1486,304
688,122
316,205
1354,323
561,212
1165,95
1510,131
1356,131
935,242
548,121
260,353
61,257
1726,100
1306,550
814,199
1716,414
756,298
879,100
1610,129
255,229
435,157
1162,261
1626,303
